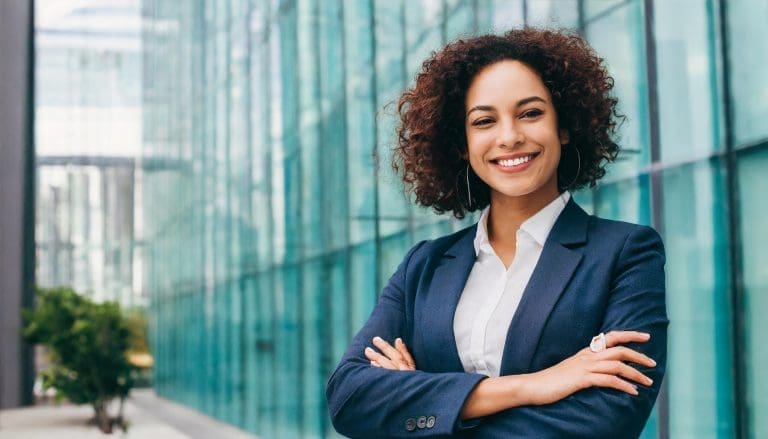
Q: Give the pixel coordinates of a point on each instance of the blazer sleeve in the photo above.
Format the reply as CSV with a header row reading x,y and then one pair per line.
x,y
636,302
368,402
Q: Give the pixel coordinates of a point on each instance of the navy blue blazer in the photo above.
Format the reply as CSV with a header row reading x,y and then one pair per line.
x,y
594,275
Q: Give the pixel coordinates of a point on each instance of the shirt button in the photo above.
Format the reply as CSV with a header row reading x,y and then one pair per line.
x,y
431,421
422,422
410,424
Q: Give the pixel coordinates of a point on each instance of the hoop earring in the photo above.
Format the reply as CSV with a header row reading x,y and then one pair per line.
x,y
468,205
578,169
469,191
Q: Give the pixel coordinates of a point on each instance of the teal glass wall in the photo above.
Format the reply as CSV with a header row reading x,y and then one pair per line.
x,y
272,218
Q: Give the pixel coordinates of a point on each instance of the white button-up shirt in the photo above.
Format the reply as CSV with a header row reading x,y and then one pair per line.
x,y
493,292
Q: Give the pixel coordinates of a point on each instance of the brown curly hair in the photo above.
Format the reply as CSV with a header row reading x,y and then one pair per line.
x,y
432,142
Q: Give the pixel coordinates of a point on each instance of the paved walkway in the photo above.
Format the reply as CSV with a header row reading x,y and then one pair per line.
x,y
149,417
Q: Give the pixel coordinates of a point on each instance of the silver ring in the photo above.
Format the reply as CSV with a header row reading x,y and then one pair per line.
x,y
598,343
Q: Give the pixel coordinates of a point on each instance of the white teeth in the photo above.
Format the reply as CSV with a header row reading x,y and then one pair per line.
x,y
515,162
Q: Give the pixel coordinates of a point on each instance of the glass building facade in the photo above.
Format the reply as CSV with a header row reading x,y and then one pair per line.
x,y
272,219
88,98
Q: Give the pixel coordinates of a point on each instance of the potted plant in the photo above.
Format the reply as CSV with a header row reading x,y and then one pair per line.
x,y
87,343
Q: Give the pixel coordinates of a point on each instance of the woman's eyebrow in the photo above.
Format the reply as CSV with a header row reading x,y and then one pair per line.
x,y
530,99
519,103
480,108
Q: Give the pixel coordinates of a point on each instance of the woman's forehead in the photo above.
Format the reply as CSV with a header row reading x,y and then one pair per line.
x,y
507,80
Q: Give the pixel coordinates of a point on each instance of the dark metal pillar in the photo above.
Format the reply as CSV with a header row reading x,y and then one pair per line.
x,y
17,242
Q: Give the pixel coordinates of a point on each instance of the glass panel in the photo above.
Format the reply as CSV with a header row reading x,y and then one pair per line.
x,y
506,14
748,50
752,180
553,13
361,120
687,91
595,8
461,19
618,36
391,74
626,200
700,380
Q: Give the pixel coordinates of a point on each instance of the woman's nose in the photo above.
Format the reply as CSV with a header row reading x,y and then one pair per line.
x,y
510,135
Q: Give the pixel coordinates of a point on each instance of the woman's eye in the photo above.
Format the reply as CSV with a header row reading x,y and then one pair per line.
x,y
532,113
482,122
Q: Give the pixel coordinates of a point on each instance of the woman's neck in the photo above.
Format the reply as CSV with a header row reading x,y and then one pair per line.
x,y
507,214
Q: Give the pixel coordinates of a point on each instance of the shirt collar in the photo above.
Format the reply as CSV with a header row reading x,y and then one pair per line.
x,y
538,226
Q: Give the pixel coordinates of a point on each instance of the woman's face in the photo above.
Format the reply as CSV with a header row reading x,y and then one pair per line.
x,y
512,133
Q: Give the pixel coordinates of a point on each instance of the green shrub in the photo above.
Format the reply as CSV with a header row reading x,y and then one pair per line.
x,y
87,343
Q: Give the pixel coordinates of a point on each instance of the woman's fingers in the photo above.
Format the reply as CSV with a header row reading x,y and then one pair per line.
x,y
620,369
624,353
394,358
380,360
387,349
614,382
400,346
615,338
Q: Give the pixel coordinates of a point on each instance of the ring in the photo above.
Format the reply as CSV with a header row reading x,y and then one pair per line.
x,y
598,343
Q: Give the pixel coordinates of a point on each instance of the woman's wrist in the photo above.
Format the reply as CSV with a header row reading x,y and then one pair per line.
x,y
496,394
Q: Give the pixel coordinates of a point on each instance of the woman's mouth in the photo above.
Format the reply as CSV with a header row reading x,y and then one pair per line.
x,y
515,164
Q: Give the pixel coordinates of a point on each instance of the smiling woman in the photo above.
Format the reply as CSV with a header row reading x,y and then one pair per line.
x,y
540,320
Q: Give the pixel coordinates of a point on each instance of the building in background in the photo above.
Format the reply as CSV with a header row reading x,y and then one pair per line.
x,y
272,219
88,136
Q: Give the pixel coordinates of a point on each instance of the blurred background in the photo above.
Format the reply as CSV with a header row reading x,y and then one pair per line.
x,y
224,166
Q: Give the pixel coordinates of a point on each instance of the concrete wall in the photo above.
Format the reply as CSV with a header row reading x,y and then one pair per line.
x,y
17,260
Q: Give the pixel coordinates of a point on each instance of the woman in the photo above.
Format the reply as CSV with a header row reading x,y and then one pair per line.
x,y
540,320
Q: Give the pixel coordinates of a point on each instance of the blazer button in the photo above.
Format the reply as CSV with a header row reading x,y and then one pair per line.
x,y
410,424
431,421
422,422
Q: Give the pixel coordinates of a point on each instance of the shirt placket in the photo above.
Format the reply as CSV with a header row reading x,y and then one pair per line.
x,y
480,326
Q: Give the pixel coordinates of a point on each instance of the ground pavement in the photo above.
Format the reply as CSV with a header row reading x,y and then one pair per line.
x,y
149,417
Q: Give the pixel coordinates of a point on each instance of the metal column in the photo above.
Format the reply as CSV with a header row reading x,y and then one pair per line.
x,y
17,242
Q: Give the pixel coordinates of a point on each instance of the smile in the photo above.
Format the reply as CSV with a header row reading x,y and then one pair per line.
x,y
515,163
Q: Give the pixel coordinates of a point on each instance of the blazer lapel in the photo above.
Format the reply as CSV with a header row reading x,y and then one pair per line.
x,y
439,304
554,269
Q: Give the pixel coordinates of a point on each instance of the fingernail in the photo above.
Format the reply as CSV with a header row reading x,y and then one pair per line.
x,y
377,338
653,363
646,335
367,349
398,340
650,381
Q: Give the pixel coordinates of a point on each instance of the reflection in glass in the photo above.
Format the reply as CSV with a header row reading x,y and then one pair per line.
x,y
753,180
748,52
700,348
618,36
687,91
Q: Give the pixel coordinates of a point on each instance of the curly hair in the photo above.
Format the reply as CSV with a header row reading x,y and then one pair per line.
x,y
432,142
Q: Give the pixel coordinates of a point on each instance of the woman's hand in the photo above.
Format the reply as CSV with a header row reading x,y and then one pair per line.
x,y
584,369
391,357
607,368
580,371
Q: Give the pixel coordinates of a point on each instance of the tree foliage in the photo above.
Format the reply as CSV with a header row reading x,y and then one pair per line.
x,y
87,343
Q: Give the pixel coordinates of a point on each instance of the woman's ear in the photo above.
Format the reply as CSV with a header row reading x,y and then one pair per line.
x,y
565,137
